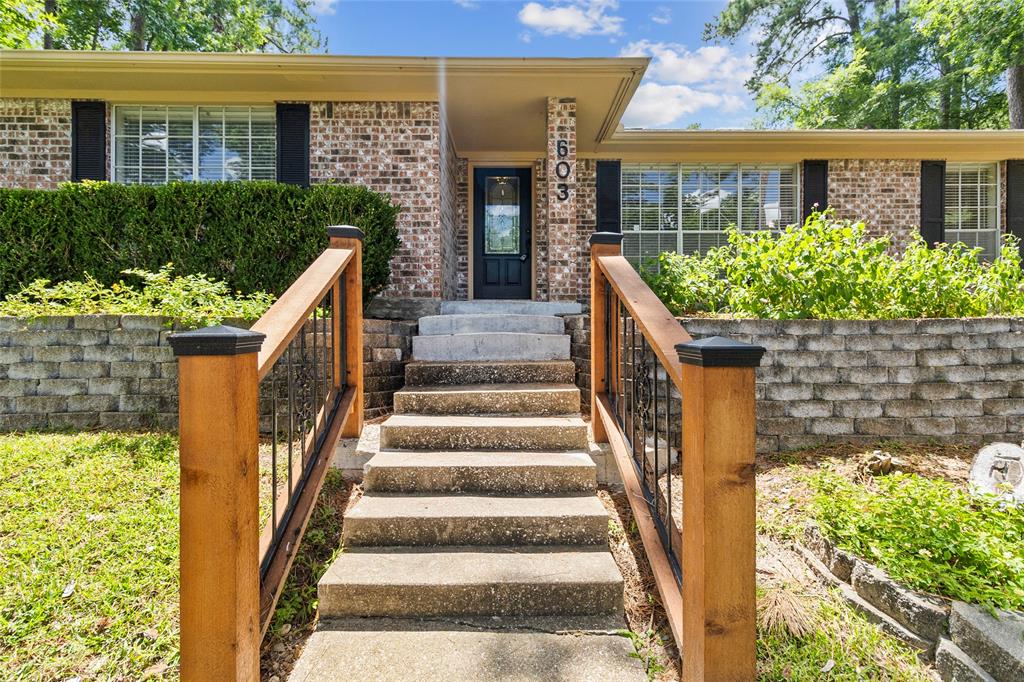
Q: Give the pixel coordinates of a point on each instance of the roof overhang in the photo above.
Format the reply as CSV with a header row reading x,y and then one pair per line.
x,y
795,145
493,106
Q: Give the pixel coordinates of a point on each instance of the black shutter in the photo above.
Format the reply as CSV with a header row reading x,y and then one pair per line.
x,y
293,144
815,189
933,201
609,200
88,141
1015,200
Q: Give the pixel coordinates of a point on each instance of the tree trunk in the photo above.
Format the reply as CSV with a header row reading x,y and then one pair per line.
x,y
1015,95
945,96
50,7
139,28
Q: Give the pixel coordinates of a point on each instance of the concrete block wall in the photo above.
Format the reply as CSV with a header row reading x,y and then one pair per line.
x,y
118,371
89,371
956,380
578,329
387,348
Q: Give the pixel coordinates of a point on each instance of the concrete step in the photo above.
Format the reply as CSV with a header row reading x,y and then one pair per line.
x,y
406,582
510,307
537,399
401,471
526,650
384,519
490,322
495,346
461,373
419,432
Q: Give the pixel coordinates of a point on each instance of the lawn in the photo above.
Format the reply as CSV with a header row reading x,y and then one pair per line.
x,y
89,536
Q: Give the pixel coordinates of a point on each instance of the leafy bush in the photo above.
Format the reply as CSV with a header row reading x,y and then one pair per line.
x,y
928,534
255,236
831,269
194,300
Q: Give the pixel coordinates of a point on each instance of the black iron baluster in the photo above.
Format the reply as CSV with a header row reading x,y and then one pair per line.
x,y
273,449
621,333
609,383
668,484
291,414
342,326
314,379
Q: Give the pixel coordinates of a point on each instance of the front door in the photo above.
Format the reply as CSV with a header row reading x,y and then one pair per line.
x,y
502,218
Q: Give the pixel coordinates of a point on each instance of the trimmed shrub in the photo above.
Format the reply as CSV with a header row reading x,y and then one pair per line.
x,y
831,269
255,236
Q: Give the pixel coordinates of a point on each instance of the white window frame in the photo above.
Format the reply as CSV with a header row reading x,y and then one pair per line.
x,y
678,169
996,227
112,156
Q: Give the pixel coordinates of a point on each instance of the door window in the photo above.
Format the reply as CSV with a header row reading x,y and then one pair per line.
x,y
501,215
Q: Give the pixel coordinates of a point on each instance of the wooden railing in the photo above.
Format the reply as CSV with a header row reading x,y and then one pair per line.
x,y
679,417
260,413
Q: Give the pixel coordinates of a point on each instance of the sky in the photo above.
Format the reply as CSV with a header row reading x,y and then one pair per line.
x,y
689,81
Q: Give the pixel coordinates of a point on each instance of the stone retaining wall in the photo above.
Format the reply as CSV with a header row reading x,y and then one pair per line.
x,y
965,641
578,329
862,380
118,371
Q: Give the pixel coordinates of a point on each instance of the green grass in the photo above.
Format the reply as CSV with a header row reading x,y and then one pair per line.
x,y
929,534
89,540
842,647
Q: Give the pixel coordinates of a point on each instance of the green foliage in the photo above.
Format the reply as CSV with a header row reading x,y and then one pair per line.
x,y
193,300
911,64
89,540
21,21
255,236
168,25
831,269
928,534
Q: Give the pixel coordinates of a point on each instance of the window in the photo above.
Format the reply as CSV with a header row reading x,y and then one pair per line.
x,y
972,206
157,144
687,207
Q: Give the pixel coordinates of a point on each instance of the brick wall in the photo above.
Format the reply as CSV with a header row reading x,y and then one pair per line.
x,y
863,380
392,147
454,245
35,142
884,193
563,253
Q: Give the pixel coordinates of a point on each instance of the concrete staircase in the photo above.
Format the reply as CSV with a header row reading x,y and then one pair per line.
x,y
479,548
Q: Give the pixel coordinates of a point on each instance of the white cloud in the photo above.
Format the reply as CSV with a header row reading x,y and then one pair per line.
x,y
656,105
662,15
468,4
323,7
681,82
574,19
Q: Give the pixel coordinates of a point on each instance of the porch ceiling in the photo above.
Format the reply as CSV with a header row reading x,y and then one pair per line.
x,y
493,106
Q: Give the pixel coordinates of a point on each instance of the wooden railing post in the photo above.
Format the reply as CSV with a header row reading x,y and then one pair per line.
x,y
601,244
718,530
348,237
219,528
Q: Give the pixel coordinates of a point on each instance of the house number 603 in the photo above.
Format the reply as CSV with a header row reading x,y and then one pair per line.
x,y
563,169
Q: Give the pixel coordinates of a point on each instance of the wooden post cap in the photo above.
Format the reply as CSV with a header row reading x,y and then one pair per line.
x,y
345,232
717,351
216,340
606,238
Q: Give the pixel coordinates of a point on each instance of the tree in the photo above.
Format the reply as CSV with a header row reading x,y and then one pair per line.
x,y
177,25
20,20
988,34
869,64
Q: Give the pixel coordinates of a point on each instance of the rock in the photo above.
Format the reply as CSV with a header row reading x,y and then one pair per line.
x,y
995,644
922,614
956,666
839,562
880,463
998,469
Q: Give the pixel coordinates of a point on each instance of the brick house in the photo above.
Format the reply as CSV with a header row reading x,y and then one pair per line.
x,y
503,167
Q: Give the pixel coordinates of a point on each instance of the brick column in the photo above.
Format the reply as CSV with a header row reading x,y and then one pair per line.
x,y
563,248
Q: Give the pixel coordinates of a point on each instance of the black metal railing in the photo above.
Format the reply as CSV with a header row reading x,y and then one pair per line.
x,y
299,399
647,406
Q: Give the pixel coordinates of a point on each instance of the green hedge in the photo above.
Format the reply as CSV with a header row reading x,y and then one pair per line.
x,y
256,236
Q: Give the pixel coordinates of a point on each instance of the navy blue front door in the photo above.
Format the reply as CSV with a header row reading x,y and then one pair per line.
x,y
502,218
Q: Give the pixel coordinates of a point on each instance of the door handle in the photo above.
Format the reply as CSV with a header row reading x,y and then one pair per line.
x,y
522,257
